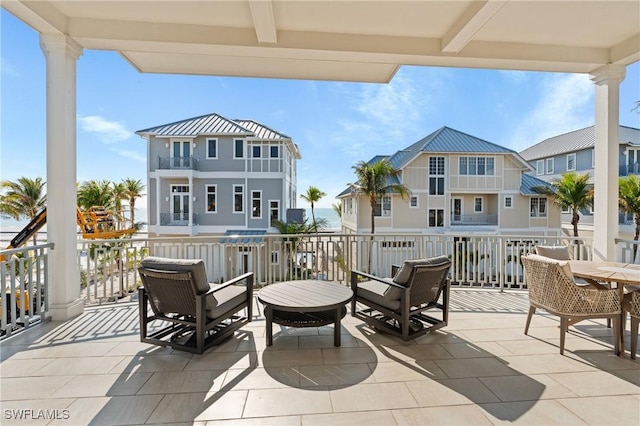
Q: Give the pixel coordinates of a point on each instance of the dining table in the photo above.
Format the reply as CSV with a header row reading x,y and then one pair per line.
x,y
599,271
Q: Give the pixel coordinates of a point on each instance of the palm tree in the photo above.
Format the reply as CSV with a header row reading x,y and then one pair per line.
x,y
312,196
25,197
629,190
375,180
337,208
571,191
96,193
118,195
133,191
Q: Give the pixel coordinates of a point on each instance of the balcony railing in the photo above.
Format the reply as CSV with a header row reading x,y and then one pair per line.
x,y
474,219
108,268
177,163
177,219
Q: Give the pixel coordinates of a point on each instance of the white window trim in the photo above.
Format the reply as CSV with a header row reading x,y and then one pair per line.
x,y
260,199
539,167
481,204
216,143
270,209
417,202
206,198
436,210
593,158
233,199
574,162
277,147
254,147
244,149
275,254
546,207
565,209
505,201
549,170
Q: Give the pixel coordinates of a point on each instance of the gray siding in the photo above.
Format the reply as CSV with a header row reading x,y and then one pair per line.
x,y
151,205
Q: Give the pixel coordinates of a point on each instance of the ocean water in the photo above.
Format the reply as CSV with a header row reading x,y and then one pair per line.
x,y
333,220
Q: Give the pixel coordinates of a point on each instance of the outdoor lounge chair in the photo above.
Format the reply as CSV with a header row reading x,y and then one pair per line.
x,y
552,287
191,314
631,304
397,305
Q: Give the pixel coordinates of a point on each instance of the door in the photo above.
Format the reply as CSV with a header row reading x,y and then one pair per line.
x,y
456,210
181,154
180,204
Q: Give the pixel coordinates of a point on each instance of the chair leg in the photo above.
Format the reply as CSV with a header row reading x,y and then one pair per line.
x,y
564,324
532,310
635,321
616,336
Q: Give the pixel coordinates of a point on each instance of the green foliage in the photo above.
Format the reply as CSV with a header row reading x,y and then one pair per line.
x,y
312,196
629,198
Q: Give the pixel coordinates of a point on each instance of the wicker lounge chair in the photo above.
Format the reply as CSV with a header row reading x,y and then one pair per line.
x,y
397,305
191,314
552,287
631,304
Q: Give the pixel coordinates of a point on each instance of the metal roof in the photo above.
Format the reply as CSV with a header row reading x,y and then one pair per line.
x,y
575,141
528,182
260,130
210,124
243,236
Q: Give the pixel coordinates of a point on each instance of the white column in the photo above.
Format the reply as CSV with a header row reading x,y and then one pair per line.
x,y
61,54
606,168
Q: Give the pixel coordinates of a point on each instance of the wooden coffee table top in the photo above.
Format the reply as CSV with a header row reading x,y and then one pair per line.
x,y
305,295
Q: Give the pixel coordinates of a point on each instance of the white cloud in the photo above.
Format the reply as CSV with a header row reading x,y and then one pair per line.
x,y
7,69
131,154
565,104
108,131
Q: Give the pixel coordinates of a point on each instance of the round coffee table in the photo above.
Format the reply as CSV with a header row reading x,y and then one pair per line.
x,y
305,303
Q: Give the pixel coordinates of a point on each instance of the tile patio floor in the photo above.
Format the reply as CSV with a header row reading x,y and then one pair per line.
x,y
481,369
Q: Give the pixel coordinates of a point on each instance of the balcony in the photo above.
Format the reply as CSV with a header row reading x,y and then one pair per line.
x,y
177,163
474,220
177,219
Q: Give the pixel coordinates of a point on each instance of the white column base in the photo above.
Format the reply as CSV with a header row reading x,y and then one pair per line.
x,y
66,311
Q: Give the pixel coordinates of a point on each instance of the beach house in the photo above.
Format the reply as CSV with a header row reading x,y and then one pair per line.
x,y
457,183
574,152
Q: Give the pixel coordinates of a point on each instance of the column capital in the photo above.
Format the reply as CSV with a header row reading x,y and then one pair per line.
x,y
608,73
60,43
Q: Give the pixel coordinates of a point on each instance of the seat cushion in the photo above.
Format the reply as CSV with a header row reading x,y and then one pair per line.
x,y
554,252
380,293
195,266
227,298
404,273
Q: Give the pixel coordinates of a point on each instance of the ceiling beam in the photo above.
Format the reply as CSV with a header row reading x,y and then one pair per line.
x,y
41,16
474,18
263,21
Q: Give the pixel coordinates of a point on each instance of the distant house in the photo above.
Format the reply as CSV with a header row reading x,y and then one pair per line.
x,y
459,184
210,174
574,151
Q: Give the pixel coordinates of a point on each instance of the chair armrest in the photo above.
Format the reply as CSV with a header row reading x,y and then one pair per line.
x,y
248,277
354,274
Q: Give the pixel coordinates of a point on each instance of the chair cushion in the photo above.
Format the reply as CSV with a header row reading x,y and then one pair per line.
x,y
404,273
227,298
195,266
554,252
380,293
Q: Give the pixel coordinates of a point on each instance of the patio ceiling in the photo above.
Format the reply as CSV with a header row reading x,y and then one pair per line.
x,y
345,40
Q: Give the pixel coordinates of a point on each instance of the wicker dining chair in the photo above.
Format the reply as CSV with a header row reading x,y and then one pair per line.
x,y
552,288
631,304
189,314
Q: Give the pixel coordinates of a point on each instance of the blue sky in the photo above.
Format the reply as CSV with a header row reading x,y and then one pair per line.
x,y
335,124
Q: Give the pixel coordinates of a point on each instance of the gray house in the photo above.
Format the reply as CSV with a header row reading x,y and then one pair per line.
x,y
210,175
574,151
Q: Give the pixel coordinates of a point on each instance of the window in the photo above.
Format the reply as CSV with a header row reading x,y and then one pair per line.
x,y
212,148
436,218
480,166
382,207
571,162
540,167
549,166
477,205
274,152
413,202
256,204
538,207
566,209
508,202
274,211
593,158
256,151
211,198
238,198
436,175
275,258
238,151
